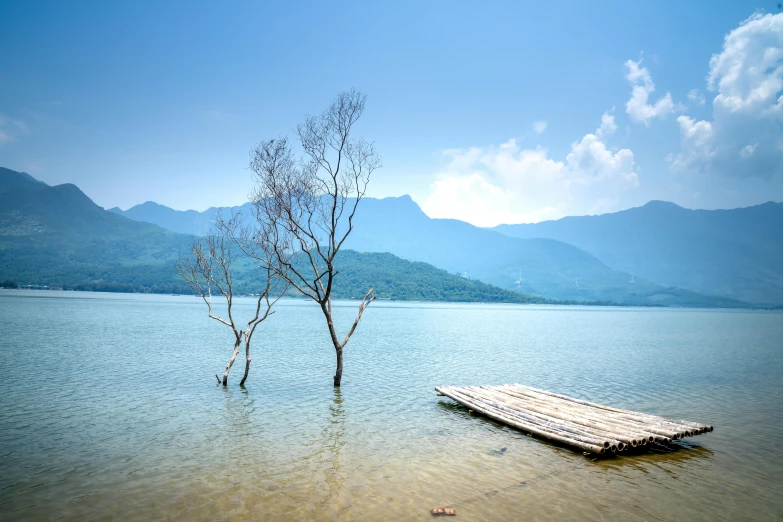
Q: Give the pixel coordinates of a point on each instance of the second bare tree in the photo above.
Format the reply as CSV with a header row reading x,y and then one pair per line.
x,y
210,267
305,207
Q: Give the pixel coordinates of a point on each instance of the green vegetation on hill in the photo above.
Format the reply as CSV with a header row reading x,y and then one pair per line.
x,y
735,254
9,283
57,237
547,268
395,278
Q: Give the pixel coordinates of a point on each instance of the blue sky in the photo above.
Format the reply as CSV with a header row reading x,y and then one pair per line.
x,y
486,112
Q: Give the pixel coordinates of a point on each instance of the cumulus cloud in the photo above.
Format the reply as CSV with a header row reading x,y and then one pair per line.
x,y
539,126
608,126
745,135
696,96
11,129
510,184
638,107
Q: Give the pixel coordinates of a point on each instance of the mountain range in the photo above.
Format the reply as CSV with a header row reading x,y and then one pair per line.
x,y
58,237
539,264
659,254
734,253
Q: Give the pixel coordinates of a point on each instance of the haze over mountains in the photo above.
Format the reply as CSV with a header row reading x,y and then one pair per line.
x,y
545,262
656,254
57,236
734,253
182,221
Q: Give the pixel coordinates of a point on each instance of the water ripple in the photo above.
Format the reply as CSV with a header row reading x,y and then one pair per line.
x,y
111,412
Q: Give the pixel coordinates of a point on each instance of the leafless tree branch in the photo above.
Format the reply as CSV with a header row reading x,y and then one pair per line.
x,y
210,265
305,209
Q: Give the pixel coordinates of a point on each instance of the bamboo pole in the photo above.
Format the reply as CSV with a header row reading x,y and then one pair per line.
x,y
692,425
615,432
653,423
571,430
684,427
631,436
590,415
526,417
545,428
529,428
582,424
548,415
549,423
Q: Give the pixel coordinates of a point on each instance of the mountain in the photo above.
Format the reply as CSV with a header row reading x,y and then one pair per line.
x,y
57,236
543,267
184,222
734,253
394,278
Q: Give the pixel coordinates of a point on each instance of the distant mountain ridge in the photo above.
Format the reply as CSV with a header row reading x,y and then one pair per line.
x,y
182,221
735,253
56,234
36,218
544,267
58,237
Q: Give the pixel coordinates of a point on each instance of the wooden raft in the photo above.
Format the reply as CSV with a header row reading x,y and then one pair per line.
x,y
585,425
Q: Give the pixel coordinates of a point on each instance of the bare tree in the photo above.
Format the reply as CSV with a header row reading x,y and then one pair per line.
x,y
210,266
305,207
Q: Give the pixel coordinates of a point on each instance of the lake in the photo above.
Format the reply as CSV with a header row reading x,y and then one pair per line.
x,y
111,410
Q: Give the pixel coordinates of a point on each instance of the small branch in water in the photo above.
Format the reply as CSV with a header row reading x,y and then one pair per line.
x,y
218,378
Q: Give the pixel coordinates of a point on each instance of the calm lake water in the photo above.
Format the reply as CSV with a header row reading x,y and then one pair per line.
x,y
110,410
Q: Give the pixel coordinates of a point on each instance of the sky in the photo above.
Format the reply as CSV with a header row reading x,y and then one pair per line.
x,y
488,112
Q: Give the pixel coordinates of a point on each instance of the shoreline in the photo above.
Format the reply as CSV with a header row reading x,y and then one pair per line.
x,y
543,302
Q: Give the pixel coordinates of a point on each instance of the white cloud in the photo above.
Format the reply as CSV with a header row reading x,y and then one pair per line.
x,y
508,184
11,129
591,161
745,135
608,126
696,96
748,150
638,107
471,192
539,126
748,74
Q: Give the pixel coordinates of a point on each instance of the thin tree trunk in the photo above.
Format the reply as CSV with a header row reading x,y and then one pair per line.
x,y
247,362
338,376
231,361
338,348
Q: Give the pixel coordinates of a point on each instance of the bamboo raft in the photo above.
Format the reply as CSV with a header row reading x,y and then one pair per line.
x,y
574,422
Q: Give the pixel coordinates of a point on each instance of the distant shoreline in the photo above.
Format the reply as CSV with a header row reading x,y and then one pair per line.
x,y
552,302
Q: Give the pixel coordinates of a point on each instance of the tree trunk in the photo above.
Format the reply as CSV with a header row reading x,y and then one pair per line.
x,y
338,375
338,348
247,362
231,361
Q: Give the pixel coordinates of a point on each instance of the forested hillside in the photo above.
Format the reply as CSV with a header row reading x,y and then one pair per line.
x,y
56,236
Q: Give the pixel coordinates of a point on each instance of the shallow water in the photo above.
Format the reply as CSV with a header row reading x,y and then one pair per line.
x,y
110,409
